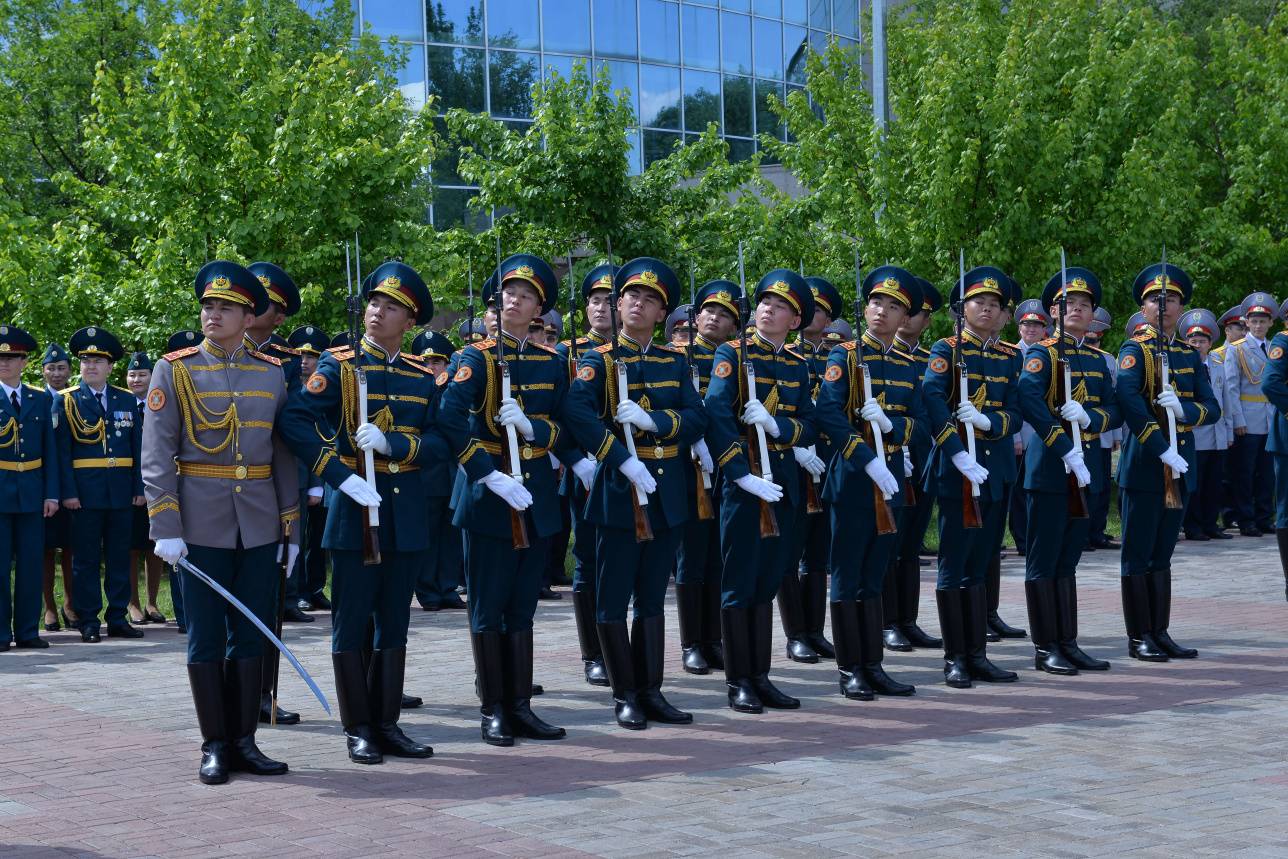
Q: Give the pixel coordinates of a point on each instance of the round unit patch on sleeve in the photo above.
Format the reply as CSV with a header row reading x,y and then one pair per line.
x,y
441,379
833,373
938,364
1033,365
1127,362
316,384
586,373
156,400
462,374
1276,353
723,369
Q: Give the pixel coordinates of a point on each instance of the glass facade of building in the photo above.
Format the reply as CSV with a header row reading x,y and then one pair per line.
x,y
686,64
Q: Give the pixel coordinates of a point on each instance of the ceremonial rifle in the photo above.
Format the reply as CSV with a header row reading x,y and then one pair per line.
x,y
812,503
510,449
880,500
1064,393
366,465
703,483
757,447
283,554
971,517
639,498
1171,486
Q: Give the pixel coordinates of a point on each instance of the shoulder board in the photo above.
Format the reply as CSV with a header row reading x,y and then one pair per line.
x,y
736,343
1142,338
341,353
850,345
181,353
791,350
951,340
1050,341
277,362
543,347
33,389
1098,350
1012,345
121,390
73,389
1005,348
1237,342
1220,350
669,347
410,357
484,345
287,350
419,363
604,349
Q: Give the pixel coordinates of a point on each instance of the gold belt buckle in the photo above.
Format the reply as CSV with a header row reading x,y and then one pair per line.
x,y
240,472
393,468
657,452
527,451
111,462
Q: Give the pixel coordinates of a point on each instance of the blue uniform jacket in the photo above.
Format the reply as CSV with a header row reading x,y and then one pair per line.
x,y
659,382
99,454
1092,387
29,471
1139,467
402,400
921,443
1274,384
990,370
569,485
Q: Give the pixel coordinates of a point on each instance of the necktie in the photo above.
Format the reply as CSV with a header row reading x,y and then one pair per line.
x,y
1263,349
99,396
17,406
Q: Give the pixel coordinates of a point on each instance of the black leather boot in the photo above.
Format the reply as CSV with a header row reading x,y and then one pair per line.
x,y
952,624
1281,536
814,598
762,633
648,645
583,610
910,602
975,614
791,609
993,582
488,681
1066,612
735,631
355,710
688,606
1047,655
1160,607
621,675
712,597
1136,616
385,692
241,698
849,653
869,615
207,682
892,635
518,690
271,660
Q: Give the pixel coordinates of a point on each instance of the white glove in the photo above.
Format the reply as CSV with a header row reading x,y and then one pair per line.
x,y
584,469
807,459
970,414
872,411
170,550
971,470
511,415
704,456
637,473
1078,467
292,553
907,463
1174,460
1168,400
756,413
509,490
760,487
882,477
369,437
315,492
1073,411
554,461
357,489
629,412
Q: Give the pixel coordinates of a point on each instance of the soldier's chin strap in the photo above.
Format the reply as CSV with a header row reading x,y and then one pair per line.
x,y
259,624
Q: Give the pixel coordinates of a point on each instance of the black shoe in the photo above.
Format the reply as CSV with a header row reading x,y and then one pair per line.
x,y
975,614
814,595
1041,596
489,672
1160,607
410,702
452,602
547,594
89,635
952,623
791,608
242,680
36,643
1197,536
385,698
619,663
214,762
517,655
284,717
355,707
595,673
893,638
430,606
694,661
320,602
853,683
1146,649
247,758
1250,531
656,708
1139,620
849,651
648,647
870,643
762,633
360,740
688,607
1053,661
1066,609
771,696
1219,535
1171,648
1004,629
735,636
799,650
714,653
821,646
123,630
292,614
742,697
583,614
919,638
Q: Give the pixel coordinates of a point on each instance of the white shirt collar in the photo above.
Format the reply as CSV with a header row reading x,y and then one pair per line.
x,y
8,391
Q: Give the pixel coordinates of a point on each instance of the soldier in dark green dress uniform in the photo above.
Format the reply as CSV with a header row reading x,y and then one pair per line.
x,y
664,415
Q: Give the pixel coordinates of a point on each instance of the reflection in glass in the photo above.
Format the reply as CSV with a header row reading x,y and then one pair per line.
x,y
450,207
615,28
701,100
511,76
458,21
456,77
736,42
401,18
445,169
795,50
566,25
624,76
513,24
737,106
820,14
411,77
736,5
794,11
659,96
845,18
660,31
701,47
767,93
633,156
740,150
562,65
768,8
658,145
769,48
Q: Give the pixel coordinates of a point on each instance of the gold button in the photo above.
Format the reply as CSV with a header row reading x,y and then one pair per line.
x,y
395,490
393,468
240,472
527,476
236,489
988,452
239,457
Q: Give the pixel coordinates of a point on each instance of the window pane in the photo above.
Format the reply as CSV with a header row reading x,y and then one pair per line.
x,y
794,51
562,65
846,18
512,24
740,150
737,106
660,31
399,18
767,93
818,41
659,96
456,77
768,8
511,76
633,157
566,25
701,100
458,21
450,207
623,76
769,48
700,45
794,11
411,77
615,28
736,41
737,5
820,14
658,145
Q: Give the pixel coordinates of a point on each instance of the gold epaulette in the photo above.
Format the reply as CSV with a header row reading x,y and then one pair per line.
x,y
1144,338
1005,348
669,347
341,353
604,349
549,349
1050,341
418,362
289,350
951,340
122,390
849,345
791,350
1237,342
181,353
484,345
276,362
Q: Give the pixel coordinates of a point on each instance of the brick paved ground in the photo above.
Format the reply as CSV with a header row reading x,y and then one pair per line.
x,y
98,751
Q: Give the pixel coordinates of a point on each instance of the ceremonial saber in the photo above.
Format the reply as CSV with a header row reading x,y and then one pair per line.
x,y
260,625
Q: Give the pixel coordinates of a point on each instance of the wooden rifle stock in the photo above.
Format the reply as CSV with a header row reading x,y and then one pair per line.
x,y
768,520
813,504
909,485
